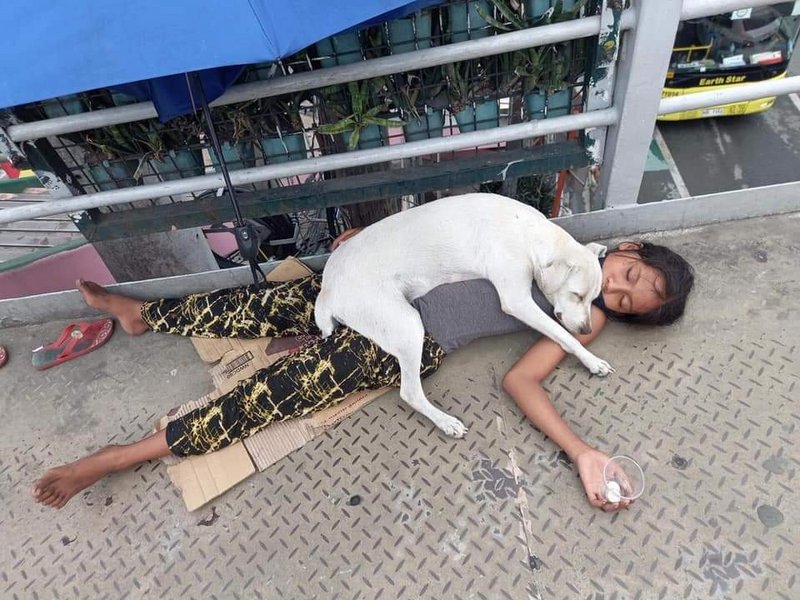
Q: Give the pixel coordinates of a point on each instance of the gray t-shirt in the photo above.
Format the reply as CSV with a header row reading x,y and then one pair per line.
x,y
454,314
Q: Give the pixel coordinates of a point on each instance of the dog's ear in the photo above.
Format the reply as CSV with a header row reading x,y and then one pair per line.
x,y
597,249
552,276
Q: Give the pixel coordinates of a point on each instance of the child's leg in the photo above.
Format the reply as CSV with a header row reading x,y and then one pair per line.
x,y
128,311
318,376
269,309
273,310
58,485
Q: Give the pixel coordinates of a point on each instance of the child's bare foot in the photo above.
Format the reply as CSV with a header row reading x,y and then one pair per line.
x,y
62,483
126,310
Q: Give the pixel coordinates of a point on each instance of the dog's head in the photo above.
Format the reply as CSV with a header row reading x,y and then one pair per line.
x,y
570,281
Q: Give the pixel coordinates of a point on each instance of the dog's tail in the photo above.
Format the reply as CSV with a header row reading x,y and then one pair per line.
x,y
323,315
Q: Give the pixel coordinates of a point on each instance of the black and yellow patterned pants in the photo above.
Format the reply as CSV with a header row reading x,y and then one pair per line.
x,y
319,375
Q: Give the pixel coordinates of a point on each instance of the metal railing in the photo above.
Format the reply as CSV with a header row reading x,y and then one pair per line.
x,y
460,51
630,119
343,160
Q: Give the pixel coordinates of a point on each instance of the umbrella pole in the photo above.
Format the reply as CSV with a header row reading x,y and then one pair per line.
x,y
246,238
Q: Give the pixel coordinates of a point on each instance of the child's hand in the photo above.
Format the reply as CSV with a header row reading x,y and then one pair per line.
x,y
344,236
590,465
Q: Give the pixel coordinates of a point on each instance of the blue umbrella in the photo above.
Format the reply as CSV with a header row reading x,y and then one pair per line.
x,y
53,48
148,48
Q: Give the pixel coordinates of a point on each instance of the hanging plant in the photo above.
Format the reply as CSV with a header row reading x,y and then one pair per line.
x,y
278,115
174,150
360,117
412,92
467,82
281,128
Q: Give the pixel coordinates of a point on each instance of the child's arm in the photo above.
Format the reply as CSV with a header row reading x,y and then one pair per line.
x,y
523,383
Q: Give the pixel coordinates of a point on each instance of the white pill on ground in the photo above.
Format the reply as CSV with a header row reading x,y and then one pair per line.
x,y
613,492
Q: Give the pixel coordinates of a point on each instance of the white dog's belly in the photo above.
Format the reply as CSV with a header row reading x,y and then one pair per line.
x,y
416,286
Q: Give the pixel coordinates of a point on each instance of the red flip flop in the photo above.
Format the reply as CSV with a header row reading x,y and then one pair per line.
x,y
76,340
3,356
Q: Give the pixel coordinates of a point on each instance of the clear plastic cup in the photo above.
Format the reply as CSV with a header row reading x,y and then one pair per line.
x,y
623,479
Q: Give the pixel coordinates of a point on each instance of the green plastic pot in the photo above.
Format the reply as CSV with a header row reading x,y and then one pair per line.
x,y
557,103
402,36
482,115
63,106
291,146
341,49
179,164
237,155
110,175
535,8
428,125
465,21
371,138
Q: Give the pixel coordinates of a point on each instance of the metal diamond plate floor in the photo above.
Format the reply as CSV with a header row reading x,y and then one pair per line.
x,y
383,506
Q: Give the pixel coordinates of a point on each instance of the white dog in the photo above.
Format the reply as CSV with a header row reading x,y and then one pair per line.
x,y
370,280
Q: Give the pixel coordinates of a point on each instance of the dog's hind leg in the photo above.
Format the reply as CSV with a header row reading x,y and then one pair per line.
x,y
402,335
323,315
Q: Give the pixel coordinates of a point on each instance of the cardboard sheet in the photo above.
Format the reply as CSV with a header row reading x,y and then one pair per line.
x,y
203,478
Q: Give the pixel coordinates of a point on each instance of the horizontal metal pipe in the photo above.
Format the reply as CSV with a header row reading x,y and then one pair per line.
x,y
441,55
694,9
82,121
498,44
749,91
344,160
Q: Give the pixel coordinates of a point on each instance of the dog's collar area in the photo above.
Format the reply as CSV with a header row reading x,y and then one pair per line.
x,y
599,302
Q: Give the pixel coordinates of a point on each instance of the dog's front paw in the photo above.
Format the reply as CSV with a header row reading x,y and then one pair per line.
x,y
451,426
598,366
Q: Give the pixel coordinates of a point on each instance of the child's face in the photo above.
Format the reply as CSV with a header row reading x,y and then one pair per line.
x,y
629,285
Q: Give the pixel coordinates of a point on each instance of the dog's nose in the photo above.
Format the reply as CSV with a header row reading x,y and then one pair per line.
x,y
586,330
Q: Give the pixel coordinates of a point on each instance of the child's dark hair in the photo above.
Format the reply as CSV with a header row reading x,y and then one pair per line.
x,y
679,279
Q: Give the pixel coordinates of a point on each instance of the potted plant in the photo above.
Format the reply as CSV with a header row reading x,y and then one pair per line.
x,y
63,106
236,133
340,49
466,20
554,83
557,75
543,70
421,97
280,129
276,120
471,95
109,154
410,33
112,156
535,9
174,148
360,127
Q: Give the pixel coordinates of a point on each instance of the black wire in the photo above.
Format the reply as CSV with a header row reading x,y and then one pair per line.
x,y
218,149
240,225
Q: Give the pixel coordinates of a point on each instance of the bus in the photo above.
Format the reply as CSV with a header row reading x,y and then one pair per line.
x,y
732,49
